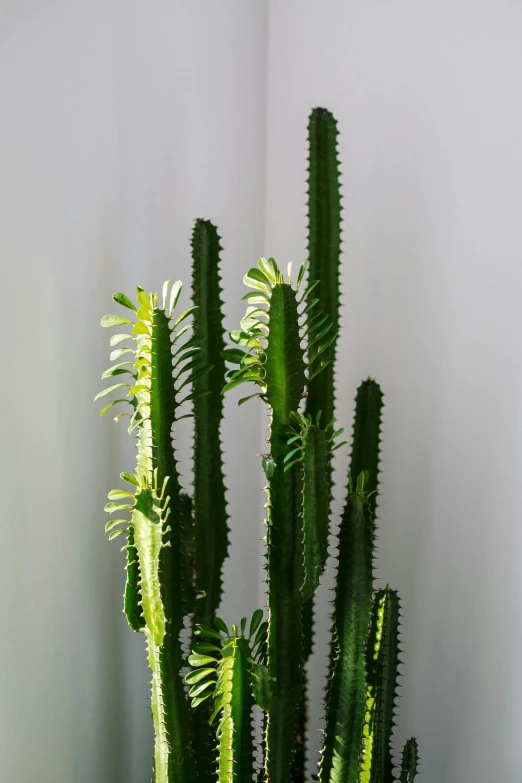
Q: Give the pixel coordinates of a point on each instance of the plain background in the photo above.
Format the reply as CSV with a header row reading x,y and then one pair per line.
x,y
121,122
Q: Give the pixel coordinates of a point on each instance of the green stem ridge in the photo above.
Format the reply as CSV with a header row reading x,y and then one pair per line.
x,y
382,669
324,254
271,356
209,488
210,512
367,434
324,242
346,697
157,512
410,761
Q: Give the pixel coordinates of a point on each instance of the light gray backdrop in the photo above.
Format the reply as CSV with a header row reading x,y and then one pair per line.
x,y
121,122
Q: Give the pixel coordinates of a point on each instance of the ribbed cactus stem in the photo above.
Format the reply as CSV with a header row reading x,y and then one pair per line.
x,y
367,434
271,356
382,669
210,513
410,761
285,377
324,243
156,524
324,255
346,698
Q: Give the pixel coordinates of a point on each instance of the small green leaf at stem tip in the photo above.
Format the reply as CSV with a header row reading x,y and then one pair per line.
x,y
243,625
174,295
261,686
129,478
144,300
135,389
124,300
204,630
165,291
111,404
141,328
203,647
184,315
250,397
197,690
113,506
256,278
218,622
114,320
301,273
114,523
119,494
255,622
118,338
117,369
260,633
233,355
195,659
109,389
120,352
116,533
195,676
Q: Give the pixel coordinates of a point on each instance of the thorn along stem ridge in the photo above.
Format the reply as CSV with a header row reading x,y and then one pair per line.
x,y
242,709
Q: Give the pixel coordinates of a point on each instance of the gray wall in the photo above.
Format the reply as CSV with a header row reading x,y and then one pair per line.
x,y
121,122
428,101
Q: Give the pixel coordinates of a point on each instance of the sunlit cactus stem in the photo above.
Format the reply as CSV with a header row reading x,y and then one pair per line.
x,y
229,670
161,368
382,668
270,355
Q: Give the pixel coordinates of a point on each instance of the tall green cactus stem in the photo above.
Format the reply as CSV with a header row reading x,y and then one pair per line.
x,y
312,448
273,359
210,514
324,254
157,523
324,242
353,597
367,434
410,761
226,671
346,698
382,668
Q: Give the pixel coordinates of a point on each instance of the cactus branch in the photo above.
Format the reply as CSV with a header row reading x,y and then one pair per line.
x,y
382,668
156,526
225,671
345,711
271,356
210,513
410,761
324,242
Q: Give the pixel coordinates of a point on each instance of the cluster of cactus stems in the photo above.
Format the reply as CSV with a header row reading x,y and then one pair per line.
x,y
176,544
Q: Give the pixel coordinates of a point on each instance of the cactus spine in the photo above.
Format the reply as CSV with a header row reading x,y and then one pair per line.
x,y
176,544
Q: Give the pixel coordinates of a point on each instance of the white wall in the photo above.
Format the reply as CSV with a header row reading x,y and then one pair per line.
x,y
121,122
427,98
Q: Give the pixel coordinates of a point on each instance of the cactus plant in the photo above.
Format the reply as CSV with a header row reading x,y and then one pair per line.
x,y
176,544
